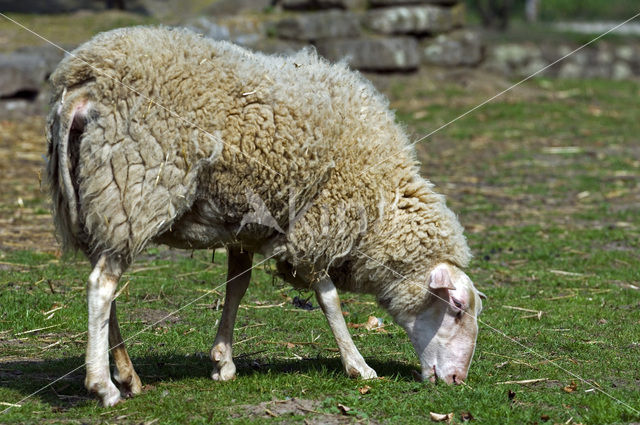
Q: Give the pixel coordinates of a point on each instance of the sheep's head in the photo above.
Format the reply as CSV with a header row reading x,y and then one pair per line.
x,y
444,330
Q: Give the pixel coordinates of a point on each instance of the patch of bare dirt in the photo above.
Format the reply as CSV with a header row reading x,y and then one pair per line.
x,y
285,409
25,221
157,318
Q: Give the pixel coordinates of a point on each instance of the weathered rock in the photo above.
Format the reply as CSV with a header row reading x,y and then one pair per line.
x,y
66,6
625,53
418,20
233,7
19,108
241,30
514,59
374,54
604,54
458,48
51,55
41,6
21,74
321,4
387,3
597,70
570,70
277,46
536,66
621,71
318,25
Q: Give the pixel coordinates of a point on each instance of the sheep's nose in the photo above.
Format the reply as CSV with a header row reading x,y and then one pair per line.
x,y
456,378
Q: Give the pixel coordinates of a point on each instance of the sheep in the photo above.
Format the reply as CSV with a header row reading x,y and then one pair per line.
x,y
157,135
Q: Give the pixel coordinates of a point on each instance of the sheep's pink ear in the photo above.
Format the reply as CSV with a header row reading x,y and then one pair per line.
x,y
440,278
482,295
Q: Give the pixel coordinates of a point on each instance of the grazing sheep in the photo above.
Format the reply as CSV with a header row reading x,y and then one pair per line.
x,y
157,135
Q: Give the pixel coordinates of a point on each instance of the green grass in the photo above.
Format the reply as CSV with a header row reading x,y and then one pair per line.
x,y
571,10
66,29
546,181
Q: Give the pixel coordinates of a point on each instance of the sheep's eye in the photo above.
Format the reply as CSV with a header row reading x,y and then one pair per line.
x,y
457,303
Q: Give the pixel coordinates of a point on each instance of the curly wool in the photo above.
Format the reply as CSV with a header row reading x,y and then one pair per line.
x,y
225,125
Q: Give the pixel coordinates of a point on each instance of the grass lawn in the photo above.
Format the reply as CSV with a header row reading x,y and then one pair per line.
x,y
547,182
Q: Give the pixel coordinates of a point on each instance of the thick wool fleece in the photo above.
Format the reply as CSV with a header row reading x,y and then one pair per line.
x,y
178,134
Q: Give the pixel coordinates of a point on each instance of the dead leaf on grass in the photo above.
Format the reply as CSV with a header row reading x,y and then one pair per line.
x,y
372,324
441,417
344,409
466,416
364,390
571,387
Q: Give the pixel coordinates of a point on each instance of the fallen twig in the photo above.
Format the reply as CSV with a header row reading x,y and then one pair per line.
x,y
36,330
565,273
144,269
46,313
520,308
263,306
4,403
51,345
245,340
121,290
528,310
524,381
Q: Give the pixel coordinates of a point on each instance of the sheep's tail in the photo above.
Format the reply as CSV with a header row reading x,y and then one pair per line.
x,y
65,126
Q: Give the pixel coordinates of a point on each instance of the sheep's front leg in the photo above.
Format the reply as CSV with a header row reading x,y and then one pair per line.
x,y
103,281
123,374
352,360
238,276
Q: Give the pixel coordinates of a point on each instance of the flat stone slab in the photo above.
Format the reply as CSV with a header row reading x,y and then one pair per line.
x,y
321,4
415,20
21,72
457,48
318,26
383,54
387,3
277,46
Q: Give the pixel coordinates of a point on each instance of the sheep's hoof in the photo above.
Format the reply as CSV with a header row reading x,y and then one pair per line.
x,y
129,382
223,372
361,371
107,393
131,386
223,367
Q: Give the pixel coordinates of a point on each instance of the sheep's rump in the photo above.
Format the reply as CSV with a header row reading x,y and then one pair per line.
x,y
159,132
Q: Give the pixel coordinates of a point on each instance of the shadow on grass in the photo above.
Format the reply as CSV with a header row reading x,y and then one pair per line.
x,y
35,377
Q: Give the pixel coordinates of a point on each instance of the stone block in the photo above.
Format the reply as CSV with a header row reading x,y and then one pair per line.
x,y
321,4
458,48
234,7
277,46
416,20
21,74
384,54
242,30
389,3
318,26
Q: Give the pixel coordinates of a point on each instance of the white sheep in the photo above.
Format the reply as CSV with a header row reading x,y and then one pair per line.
x,y
157,135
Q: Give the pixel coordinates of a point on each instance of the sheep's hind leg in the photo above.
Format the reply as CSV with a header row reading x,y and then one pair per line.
x,y
101,286
124,373
352,360
238,276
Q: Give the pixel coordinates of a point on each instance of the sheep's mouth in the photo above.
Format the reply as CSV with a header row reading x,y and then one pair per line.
x,y
430,375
